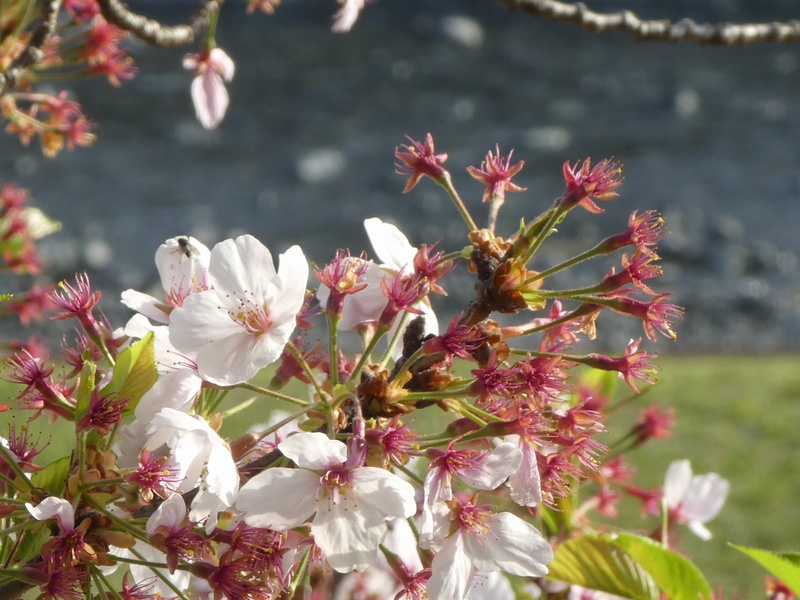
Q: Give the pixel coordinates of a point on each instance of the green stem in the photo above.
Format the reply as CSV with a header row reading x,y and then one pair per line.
x,y
121,523
398,335
420,352
101,579
447,183
11,461
90,484
545,231
298,356
267,392
365,357
301,572
157,570
333,348
591,253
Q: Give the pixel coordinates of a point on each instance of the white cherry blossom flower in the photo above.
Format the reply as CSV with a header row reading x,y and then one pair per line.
x,y
694,500
481,541
176,390
209,95
365,306
182,264
243,323
57,508
482,470
346,17
201,460
525,483
350,504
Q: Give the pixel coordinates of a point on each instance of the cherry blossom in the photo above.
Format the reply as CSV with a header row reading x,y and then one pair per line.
x,y
480,469
694,500
201,458
211,69
478,540
243,323
182,264
350,503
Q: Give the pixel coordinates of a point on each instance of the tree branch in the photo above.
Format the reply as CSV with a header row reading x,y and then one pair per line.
x,y
722,34
34,51
155,33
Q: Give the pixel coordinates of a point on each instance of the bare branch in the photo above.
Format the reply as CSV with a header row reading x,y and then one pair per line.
x,y
155,33
723,34
34,51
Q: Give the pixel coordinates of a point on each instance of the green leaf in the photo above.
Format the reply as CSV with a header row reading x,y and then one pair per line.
x,y
596,562
53,478
676,575
783,566
30,544
84,391
4,297
604,382
134,373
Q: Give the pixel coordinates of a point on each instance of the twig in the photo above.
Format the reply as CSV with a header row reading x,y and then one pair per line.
x,y
153,32
34,51
722,34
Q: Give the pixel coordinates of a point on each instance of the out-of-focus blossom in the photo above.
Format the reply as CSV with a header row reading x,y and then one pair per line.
x,y
694,500
212,68
346,17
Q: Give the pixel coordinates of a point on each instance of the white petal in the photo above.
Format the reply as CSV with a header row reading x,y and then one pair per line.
x,y
293,278
54,507
700,530
210,98
242,265
451,571
385,491
511,545
202,320
176,390
679,475
222,476
181,274
490,586
223,63
401,541
235,358
367,304
170,513
705,497
145,304
279,498
313,450
390,244
435,514
180,579
525,484
494,467
346,17
348,533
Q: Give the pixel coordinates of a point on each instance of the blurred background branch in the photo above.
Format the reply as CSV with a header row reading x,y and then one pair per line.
x,y
662,30
155,33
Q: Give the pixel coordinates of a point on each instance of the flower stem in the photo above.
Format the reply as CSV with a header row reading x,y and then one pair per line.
x,y
272,393
333,349
447,183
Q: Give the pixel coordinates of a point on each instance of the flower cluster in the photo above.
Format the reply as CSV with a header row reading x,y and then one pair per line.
x,y
81,44
431,463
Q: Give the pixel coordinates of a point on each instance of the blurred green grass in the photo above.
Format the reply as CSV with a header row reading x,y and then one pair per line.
x,y
737,416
